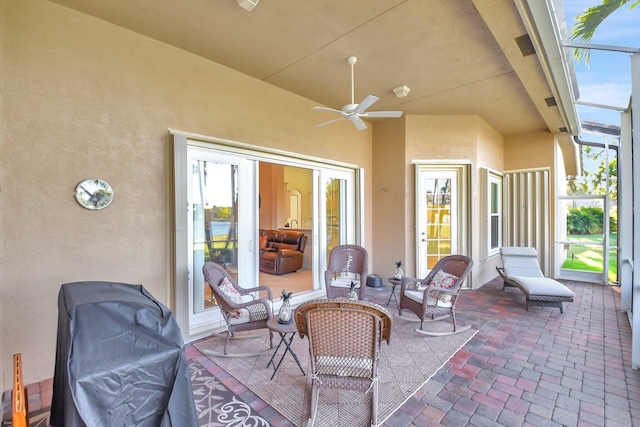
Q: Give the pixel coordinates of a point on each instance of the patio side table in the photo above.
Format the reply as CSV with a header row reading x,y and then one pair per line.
x,y
283,329
394,282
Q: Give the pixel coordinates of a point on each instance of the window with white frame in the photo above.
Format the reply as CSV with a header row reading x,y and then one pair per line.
x,y
495,212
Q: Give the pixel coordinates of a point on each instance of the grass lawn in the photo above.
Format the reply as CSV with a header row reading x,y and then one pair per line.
x,y
589,258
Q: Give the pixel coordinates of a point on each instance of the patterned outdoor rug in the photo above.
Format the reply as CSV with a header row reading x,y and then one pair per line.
x,y
216,405
405,366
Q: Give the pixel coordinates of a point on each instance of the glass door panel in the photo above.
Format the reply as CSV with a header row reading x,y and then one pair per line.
x,y
584,239
437,217
214,223
338,188
336,203
215,220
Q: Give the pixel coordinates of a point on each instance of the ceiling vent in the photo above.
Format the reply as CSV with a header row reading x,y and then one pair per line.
x,y
551,101
563,130
525,45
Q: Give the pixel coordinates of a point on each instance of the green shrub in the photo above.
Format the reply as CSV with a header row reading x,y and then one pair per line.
x,y
585,220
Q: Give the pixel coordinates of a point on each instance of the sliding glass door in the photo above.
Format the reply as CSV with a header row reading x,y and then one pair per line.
x,y
339,208
221,223
225,194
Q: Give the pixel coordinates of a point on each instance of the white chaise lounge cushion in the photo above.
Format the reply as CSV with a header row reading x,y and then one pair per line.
x,y
520,261
542,286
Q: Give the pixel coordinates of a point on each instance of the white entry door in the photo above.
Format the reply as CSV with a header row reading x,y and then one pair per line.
x,y
439,215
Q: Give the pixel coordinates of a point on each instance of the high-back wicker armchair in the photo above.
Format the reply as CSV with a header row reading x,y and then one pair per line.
x,y
344,339
434,297
347,263
242,309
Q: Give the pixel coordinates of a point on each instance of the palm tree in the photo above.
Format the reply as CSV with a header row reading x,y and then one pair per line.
x,y
588,21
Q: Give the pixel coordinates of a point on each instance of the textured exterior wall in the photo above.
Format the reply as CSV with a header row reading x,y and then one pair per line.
x,y
437,138
391,214
537,151
83,98
459,139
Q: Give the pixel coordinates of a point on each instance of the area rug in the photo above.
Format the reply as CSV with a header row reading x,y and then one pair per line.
x,y
405,365
216,405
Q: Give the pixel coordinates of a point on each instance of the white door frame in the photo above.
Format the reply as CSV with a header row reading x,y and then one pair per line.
x,y
247,225
179,292
459,175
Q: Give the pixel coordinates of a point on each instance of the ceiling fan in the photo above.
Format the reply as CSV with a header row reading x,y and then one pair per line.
x,y
354,112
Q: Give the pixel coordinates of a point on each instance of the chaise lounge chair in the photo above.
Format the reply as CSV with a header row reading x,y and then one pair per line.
x,y
520,268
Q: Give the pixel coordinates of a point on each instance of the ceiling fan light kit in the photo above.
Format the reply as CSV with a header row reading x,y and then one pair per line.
x,y
354,112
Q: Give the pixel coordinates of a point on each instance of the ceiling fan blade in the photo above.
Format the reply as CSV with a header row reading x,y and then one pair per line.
x,y
382,114
330,121
366,103
332,110
357,121
353,112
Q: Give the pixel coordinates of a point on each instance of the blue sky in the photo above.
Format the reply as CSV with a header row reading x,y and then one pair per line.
x,y
607,78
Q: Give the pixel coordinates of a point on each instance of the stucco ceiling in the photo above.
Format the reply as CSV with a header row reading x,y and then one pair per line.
x,y
457,57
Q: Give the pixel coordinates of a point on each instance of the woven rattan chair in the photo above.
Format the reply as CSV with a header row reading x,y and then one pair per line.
x,y
347,263
434,297
344,339
242,310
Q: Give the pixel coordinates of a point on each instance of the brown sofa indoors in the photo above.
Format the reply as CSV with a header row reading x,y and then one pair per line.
x,y
281,252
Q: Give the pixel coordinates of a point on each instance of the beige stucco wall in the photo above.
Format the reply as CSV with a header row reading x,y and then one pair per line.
x,y
438,138
391,212
82,98
537,151
490,147
529,151
490,156
455,139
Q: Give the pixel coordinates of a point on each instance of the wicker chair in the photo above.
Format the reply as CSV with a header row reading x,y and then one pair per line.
x,y
347,263
242,309
434,297
344,340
